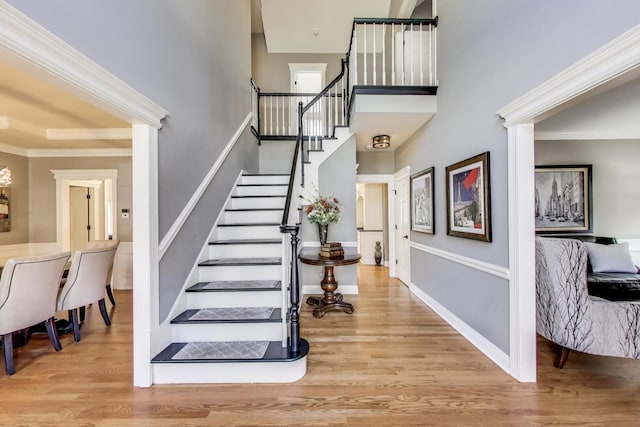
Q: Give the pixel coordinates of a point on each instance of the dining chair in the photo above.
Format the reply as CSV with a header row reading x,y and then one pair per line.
x,y
28,290
106,244
85,284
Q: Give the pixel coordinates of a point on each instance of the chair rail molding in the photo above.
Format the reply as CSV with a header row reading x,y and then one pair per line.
x,y
612,60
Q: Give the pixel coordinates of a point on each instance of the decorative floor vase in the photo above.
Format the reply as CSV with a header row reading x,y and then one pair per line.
x,y
323,231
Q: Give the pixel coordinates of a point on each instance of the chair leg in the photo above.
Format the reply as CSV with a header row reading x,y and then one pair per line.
x,y
7,344
562,358
52,331
103,310
110,295
73,318
83,310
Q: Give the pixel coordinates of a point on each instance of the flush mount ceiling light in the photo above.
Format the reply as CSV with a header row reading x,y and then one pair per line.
x,y
381,141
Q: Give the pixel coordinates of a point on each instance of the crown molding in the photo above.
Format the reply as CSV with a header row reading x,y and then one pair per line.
x,y
4,122
571,136
10,149
33,44
87,134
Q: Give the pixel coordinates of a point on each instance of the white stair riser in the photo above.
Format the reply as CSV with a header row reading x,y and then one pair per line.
x,y
260,190
249,232
197,300
243,272
265,179
247,372
240,217
257,202
208,332
245,251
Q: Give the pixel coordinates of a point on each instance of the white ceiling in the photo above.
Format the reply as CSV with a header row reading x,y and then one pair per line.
x,y
37,116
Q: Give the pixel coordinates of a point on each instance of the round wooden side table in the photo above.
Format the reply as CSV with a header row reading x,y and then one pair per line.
x,y
331,300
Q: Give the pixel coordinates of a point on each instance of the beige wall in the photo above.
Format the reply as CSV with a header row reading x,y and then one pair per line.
x,y
42,216
18,193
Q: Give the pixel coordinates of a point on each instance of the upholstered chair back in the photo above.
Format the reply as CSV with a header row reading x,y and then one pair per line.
x,y
28,290
88,276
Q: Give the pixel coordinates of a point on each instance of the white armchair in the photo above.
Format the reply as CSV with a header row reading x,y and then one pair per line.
x,y
568,316
28,290
86,282
106,244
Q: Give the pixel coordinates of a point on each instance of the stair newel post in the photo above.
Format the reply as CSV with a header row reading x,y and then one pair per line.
x,y
294,293
345,96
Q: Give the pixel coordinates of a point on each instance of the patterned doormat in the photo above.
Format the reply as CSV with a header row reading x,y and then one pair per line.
x,y
233,313
235,285
222,350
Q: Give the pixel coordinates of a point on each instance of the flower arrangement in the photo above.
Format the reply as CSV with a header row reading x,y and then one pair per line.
x,y
323,210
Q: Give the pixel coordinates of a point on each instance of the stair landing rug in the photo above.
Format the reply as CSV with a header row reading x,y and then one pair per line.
x,y
233,313
222,350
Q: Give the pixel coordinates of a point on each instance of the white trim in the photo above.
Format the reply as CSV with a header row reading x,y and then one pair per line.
x,y
195,197
401,174
145,249
522,310
88,133
575,136
481,343
485,267
80,152
391,200
10,149
19,250
65,178
4,122
50,58
613,59
616,57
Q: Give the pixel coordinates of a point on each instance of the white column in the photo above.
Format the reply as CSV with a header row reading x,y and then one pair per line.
x,y
522,311
145,248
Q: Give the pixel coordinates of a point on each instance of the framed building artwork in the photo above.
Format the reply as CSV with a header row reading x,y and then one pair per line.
x,y
468,198
563,199
422,204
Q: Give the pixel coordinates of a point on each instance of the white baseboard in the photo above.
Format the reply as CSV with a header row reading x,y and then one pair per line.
x,y
489,349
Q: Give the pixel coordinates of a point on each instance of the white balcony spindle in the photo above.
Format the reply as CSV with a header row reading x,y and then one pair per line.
x,y
271,115
373,60
384,62
364,53
354,53
435,57
411,40
403,56
393,54
421,55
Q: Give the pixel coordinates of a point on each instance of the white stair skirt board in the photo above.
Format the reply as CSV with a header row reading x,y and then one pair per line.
x,y
245,250
247,372
198,332
234,299
257,202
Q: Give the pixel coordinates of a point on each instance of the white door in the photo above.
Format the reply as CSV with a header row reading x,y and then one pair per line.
x,y
402,226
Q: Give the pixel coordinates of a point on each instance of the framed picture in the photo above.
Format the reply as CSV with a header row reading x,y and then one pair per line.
x,y
422,202
468,198
563,199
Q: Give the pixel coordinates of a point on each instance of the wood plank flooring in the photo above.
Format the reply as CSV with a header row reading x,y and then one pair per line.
x,y
392,363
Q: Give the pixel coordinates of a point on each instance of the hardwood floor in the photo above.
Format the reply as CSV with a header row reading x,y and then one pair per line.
x,y
393,362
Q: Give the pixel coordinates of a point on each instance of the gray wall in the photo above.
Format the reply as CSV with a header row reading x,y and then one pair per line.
x,y
488,57
18,193
375,163
616,193
192,57
271,73
276,156
42,195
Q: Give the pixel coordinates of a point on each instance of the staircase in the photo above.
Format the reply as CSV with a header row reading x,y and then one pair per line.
x,y
234,329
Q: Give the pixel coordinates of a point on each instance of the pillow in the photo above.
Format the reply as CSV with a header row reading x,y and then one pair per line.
x,y
611,258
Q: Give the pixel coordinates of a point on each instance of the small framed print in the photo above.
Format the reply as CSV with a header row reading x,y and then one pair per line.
x,y
563,199
468,198
422,202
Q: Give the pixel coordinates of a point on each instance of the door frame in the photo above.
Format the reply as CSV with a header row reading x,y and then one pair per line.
x,y
391,201
612,60
30,47
403,173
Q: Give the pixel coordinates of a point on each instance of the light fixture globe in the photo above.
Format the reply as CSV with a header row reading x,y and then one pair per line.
x,y
381,141
5,176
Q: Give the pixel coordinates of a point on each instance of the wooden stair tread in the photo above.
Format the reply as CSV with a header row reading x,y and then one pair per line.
x,y
245,242
274,353
241,261
252,209
248,224
185,316
236,286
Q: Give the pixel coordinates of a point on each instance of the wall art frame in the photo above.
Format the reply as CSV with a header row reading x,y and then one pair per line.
x,y
422,202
